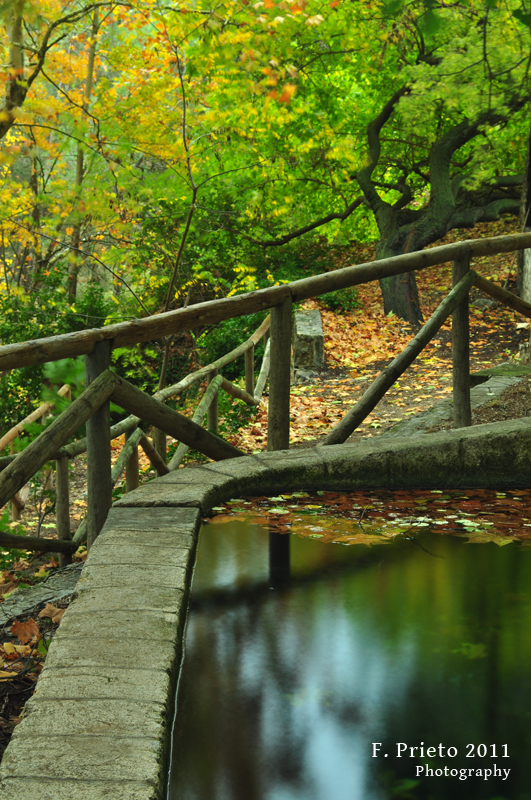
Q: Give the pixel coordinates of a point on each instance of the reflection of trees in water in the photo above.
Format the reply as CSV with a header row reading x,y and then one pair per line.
x,y
261,673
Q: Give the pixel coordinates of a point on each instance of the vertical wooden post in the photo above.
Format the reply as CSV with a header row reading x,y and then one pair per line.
x,y
461,351
212,413
62,506
279,377
159,443
249,371
99,484
15,508
131,468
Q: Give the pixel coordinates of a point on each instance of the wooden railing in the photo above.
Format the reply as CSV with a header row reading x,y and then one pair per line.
x,y
102,384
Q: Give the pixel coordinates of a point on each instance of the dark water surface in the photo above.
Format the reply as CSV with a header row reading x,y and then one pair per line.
x,y
284,690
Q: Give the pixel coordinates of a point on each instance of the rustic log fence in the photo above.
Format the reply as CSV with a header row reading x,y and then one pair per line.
x,y
103,385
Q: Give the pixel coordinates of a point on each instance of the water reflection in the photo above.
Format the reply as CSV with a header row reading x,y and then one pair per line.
x,y
284,690
279,558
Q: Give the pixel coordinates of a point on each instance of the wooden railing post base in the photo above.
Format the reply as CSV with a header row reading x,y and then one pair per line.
x,y
279,377
99,484
461,350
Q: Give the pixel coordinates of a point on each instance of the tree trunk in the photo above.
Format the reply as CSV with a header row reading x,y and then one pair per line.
x,y
524,256
399,292
400,297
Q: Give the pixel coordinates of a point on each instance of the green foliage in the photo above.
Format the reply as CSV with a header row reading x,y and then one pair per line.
x,y
8,556
225,337
91,309
340,301
140,365
234,414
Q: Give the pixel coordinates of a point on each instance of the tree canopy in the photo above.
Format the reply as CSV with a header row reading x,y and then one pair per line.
x,y
158,150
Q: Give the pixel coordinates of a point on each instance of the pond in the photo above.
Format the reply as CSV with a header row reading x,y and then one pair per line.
x,y
318,687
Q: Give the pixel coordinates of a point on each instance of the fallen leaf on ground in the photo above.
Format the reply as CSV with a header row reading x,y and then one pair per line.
x,y
25,631
52,612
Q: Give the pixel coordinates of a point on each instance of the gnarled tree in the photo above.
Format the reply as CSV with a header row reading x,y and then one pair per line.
x,y
423,110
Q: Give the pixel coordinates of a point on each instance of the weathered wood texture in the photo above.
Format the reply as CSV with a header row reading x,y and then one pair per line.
x,y
173,423
461,349
130,446
213,406
279,377
46,445
156,461
249,371
62,506
99,488
39,412
132,467
264,372
69,345
159,443
199,414
238,393
389,375
37,544
503,296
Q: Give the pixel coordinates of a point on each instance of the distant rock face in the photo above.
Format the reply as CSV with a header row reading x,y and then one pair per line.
x,y
308,341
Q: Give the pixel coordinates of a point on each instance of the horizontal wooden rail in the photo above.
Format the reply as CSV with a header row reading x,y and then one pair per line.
x,y
392,372
68,345
10,540
44,447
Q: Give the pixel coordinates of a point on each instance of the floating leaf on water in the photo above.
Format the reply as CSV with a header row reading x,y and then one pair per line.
x,y
483,537
278,511
221,518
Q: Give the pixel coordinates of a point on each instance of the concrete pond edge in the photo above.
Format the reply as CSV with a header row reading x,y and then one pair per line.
x,y
99,724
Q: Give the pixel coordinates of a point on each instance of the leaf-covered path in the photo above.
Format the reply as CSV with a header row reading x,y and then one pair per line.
x,y
359,344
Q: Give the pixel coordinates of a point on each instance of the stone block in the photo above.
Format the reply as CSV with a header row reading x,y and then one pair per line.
x,y
153,626
127,553
83,757
96,576
72,789
76,652
308,341
92,718
168,599
103,682
152,519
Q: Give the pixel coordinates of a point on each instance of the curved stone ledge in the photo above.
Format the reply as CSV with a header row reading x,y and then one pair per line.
x,y
98,725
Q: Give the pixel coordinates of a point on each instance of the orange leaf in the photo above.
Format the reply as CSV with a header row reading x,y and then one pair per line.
x,y
25,631
287,94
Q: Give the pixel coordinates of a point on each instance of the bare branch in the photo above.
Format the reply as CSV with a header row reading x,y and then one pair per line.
x,y
307,228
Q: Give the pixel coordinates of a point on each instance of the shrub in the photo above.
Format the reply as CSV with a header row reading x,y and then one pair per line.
x,y
341,301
